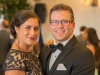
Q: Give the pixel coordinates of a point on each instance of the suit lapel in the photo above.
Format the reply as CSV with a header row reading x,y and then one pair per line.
x,y
67,49
45,56
47,64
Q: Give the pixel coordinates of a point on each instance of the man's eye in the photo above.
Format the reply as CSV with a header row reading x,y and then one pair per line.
x,y
65,21
54,22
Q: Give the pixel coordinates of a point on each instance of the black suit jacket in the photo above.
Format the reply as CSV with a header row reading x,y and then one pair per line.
x,y
5,44
80,39
77,59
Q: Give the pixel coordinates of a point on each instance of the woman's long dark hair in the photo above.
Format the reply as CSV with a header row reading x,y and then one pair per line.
x,y
93,39
19,18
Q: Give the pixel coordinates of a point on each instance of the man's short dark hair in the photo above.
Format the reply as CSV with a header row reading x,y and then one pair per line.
x,y
82,28
62,7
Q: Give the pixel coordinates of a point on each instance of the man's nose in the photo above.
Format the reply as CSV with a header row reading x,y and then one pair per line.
x,y
60,23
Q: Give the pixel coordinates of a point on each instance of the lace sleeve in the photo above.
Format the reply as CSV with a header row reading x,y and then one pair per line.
x,y
14,61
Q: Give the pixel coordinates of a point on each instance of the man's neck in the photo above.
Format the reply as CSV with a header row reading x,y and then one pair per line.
x,y
63,42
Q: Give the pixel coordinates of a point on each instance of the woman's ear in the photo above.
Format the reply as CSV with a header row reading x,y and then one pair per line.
x,y
16,29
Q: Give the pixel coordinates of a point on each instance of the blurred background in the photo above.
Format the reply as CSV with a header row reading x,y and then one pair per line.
x,y
87,12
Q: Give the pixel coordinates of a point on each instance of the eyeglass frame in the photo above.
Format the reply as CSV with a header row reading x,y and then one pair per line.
x,y
61,22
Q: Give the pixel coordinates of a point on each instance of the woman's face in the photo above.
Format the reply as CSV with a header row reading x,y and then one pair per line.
x,y
28,32
85,35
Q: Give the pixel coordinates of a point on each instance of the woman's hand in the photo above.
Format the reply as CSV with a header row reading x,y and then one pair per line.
x,y
49,42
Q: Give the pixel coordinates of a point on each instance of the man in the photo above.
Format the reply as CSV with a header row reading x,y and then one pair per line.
x,y
79,37
74,58
5,42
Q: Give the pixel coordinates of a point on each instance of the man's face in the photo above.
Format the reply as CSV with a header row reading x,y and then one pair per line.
x,y
85,35
61,31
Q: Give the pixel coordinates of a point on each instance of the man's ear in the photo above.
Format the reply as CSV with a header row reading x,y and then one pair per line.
x,y
73,24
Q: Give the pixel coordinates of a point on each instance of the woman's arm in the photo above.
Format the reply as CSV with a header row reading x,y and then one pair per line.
x,y
14,72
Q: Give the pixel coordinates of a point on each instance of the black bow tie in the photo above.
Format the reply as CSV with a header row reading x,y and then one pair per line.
x,y
55,47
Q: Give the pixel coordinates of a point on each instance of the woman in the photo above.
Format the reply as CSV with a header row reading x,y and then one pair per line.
x,y
20,59
92,41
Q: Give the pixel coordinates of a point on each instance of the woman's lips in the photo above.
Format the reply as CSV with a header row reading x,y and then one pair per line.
x,y
31,38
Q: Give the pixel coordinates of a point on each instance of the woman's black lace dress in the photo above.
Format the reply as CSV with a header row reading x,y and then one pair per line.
x,y
26,61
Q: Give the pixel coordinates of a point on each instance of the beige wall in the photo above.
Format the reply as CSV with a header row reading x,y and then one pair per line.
x,y
84,15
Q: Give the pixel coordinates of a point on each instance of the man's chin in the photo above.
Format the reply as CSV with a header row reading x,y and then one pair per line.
x,y
59,39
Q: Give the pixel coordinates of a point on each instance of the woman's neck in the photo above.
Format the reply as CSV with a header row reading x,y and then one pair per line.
x,y
25,47
21,47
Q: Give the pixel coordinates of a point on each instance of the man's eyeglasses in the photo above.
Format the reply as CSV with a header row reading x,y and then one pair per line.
x,y
63,22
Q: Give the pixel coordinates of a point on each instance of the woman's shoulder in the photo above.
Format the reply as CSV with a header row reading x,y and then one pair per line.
x,y
17,51
14,60
91,48
15,55
14,52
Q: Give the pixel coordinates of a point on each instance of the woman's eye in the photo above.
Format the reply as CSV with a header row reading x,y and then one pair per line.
x,y
28,28
36,28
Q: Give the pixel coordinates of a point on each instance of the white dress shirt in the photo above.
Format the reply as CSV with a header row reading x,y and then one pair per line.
x,y
56,53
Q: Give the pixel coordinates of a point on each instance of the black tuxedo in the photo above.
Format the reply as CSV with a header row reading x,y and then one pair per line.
x,y
77,59
5,44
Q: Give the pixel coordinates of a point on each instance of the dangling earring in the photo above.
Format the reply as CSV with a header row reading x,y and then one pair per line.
x,y
17,41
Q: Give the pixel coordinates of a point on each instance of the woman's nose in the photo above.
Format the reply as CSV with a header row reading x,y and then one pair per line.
x,y
32,32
